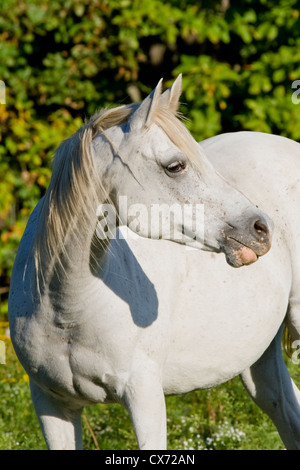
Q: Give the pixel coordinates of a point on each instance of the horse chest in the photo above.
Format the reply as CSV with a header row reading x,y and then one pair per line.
x,y
84,347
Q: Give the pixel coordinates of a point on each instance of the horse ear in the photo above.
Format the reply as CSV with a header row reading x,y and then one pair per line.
x,y
170,98
143,116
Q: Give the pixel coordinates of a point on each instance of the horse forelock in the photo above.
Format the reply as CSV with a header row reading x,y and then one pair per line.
x,y
172,125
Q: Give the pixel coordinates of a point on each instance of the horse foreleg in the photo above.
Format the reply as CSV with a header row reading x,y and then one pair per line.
x,y
270,385
60,425
145,401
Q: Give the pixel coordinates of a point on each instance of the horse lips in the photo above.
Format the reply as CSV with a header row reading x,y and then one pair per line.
x,y
246,255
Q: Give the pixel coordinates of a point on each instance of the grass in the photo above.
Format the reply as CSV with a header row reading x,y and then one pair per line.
x,y
222,418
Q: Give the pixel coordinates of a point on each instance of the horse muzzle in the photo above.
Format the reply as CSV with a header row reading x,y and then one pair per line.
x,y
247,240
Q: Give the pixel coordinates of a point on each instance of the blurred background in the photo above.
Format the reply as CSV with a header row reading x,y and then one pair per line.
x,y
61,60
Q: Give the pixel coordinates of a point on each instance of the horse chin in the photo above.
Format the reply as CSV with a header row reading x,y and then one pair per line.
x,y
238,255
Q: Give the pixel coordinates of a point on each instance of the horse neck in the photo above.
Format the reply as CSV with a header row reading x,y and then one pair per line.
x,y
68,215
67,278
69,287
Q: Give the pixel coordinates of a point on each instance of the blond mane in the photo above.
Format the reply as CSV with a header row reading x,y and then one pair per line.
x,y
75,192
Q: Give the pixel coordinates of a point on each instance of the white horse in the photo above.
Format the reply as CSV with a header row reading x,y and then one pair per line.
x,y
101,318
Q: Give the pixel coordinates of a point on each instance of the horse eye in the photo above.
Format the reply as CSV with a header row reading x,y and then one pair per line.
x,y
176,167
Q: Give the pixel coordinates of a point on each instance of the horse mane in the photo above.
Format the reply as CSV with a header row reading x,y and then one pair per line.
x,y
74,192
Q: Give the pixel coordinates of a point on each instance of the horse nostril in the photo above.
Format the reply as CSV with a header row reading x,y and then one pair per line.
x,y
261,228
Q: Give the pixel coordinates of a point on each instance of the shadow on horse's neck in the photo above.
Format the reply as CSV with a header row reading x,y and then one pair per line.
x,y
87,267
116,265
